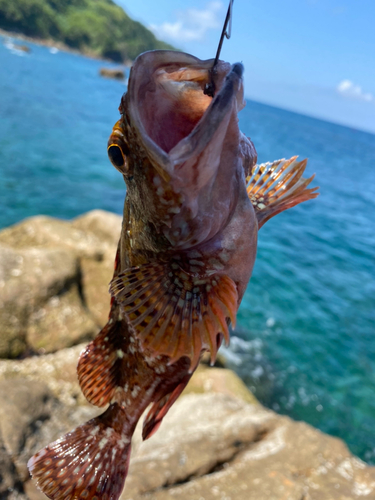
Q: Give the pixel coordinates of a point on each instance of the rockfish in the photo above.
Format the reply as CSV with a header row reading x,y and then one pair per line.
x,y
195,201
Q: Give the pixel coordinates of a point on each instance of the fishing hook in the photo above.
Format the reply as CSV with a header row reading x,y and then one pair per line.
x,y
209,88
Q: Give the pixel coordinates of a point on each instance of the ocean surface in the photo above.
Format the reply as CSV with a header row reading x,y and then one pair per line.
x,y
305,340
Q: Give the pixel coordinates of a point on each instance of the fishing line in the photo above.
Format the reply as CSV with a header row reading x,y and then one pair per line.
x,y
209,88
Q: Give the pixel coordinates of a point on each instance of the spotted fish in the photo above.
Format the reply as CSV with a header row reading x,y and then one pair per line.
x,y
195,201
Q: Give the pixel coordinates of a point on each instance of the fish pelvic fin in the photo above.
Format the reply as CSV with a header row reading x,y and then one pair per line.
x,y
174,313
101,364
91,462
277,186
161,407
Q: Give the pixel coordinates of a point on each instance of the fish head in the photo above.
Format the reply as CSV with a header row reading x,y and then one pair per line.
x,y
180,151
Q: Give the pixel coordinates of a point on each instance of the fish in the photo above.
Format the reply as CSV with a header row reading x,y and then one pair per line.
x,y
195,201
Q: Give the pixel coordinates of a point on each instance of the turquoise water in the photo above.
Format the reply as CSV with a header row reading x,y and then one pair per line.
x,y
305,336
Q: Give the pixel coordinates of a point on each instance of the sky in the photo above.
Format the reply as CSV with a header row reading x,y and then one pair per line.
x,y
316,57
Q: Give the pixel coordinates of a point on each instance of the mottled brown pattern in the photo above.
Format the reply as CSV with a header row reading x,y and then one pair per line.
x,y
184,259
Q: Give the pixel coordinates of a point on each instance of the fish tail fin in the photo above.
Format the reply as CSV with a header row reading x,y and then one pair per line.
x,y
275,187
90,462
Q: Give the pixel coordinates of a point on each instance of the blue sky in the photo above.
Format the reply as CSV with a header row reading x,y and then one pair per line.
x,y
316,57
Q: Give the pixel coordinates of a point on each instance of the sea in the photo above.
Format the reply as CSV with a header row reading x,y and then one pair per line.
x,y
305,336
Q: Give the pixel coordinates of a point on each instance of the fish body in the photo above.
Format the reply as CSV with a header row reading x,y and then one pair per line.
x,y
195,201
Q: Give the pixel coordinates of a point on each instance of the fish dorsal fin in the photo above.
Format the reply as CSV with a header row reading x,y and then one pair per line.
x,y
174,313
275,187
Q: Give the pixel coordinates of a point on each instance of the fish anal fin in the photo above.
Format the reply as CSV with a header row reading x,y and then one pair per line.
x,y
100,367
91,462
275,187
160,408
174,313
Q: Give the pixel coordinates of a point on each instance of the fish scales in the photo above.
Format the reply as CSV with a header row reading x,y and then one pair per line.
x,y
195,201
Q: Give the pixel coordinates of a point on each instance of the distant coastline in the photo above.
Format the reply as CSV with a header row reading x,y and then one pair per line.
x,y
49,42
95,28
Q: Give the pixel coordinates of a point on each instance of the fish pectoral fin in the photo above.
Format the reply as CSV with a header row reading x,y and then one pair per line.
x,y
89,462
101,364
173,313
160,408
275,187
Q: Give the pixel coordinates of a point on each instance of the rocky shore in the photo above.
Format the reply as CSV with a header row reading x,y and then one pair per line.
x,y
216,443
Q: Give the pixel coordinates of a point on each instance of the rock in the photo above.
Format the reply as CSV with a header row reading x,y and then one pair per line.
x,y
199,432
11,487
24,406
219,380
43,231
212,446
104,225
22,48
216,443
62,322
117,73
40,302
95,284
58,371
54,278
97,275
31,417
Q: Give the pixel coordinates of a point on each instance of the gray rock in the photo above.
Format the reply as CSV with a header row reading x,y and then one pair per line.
x,y
31,417
54,279
116,73
40,301
43,231
211,446
11,487
104,225
57,371
61,322
216,443
24,406
219,380
95,283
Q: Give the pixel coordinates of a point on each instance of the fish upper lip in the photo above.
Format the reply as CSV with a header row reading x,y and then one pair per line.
x,y
230,88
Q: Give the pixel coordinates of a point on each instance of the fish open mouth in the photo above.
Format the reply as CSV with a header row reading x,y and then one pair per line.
x,y
176,103
167,100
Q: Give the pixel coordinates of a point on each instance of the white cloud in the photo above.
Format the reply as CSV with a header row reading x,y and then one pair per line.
x,y
191,24
350,89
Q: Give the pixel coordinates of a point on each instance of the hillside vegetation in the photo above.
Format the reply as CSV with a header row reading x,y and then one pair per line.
x,y
99,27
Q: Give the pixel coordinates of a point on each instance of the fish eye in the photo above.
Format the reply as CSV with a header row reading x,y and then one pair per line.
x,y
117,157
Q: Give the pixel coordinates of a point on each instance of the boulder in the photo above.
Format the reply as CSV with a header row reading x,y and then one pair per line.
x,y
58,371
54,278
215,442
11,487
216,447
43,231
219,380
24,406
40,302
97,275
31,417
22,48
116,73
105,226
